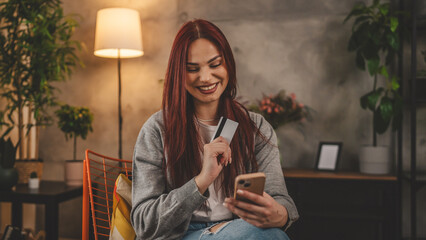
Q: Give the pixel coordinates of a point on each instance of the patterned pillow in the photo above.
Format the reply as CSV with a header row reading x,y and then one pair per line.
x,y
121,228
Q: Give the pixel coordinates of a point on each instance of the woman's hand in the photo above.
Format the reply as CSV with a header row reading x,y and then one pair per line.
x,y
217,154
267,213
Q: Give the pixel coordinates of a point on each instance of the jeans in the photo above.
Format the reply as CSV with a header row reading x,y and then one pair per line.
x,y
235,229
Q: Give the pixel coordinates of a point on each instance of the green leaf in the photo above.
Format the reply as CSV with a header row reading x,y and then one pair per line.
x,y
384,71
370,50
380,124
384,9
373,98
392,40
357,9
394,83
386,108
394,23
373,66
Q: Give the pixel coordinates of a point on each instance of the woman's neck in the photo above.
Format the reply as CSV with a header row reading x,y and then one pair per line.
x,y
207,113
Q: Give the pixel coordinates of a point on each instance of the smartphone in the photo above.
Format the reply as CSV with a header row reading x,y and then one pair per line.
x,y
253,182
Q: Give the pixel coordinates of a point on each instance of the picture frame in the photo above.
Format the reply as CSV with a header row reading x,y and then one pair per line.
x,y
328,156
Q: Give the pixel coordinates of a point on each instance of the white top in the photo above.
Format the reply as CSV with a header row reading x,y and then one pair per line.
x,y
214,211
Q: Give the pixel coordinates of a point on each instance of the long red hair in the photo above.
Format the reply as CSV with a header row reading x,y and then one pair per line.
x,y
182,144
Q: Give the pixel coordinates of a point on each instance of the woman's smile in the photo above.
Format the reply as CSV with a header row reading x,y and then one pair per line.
x,y
208,89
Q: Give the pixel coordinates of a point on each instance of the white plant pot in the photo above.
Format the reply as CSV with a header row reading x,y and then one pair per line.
x,y
74,172
33,183
375,160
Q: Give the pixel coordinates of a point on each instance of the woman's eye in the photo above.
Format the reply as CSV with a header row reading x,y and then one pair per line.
x,y
191,69
215,65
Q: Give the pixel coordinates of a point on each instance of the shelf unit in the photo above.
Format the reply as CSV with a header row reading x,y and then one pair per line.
x,y
416,99
344,205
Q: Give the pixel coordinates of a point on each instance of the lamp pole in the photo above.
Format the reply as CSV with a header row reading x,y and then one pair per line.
x,y
120,118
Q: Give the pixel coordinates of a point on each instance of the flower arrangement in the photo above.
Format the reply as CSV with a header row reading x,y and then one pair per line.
x,y
281,109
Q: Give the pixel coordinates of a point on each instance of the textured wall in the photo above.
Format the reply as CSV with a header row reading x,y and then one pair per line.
x,y
299,46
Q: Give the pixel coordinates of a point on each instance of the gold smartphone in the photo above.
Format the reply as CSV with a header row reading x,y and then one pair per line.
x,y
253,182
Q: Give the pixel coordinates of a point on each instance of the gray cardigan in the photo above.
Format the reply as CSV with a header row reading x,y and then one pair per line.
x,y
162,213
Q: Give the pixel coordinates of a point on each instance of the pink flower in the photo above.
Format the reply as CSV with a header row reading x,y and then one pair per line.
x,y
293,96
268,101
277,110
269,110
301,105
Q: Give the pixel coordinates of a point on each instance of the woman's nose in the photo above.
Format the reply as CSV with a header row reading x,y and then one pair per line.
x,y
205,74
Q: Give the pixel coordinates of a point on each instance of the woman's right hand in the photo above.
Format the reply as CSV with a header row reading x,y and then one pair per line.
x,y
217,154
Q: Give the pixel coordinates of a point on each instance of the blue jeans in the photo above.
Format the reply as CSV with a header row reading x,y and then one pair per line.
x,y
235,229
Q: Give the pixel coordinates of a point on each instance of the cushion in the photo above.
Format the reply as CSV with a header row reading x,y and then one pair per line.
x,y
121,228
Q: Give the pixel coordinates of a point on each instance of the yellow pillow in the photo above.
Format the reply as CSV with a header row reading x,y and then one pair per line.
x,y
121,228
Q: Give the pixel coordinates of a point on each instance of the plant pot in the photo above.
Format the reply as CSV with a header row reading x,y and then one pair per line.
x,y
74,172
8,178
375,160
34,183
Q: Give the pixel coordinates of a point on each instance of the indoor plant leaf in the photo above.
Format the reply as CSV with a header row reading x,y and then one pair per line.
x,y
386,108
394,23
380,124
373,66
395,83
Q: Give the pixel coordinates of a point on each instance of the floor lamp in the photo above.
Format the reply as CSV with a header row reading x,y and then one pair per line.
x,y
118,35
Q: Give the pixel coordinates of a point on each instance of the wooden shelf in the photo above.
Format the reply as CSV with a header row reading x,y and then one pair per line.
x,y
310,173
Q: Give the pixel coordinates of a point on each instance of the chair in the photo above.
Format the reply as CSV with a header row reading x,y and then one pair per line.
x,y
99,175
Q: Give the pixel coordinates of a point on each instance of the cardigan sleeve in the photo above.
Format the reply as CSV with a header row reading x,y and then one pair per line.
x,y
157,213
268,159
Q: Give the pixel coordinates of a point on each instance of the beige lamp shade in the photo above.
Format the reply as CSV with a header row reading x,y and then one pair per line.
x,y
118,33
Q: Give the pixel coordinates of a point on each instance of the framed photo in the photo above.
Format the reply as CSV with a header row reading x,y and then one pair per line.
x,y
328,156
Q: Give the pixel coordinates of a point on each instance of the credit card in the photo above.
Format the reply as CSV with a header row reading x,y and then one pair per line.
x,y
226,128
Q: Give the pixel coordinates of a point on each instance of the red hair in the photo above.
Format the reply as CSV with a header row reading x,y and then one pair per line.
x,y
182,144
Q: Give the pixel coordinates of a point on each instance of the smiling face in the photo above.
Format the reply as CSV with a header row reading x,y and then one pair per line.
x,y
206,75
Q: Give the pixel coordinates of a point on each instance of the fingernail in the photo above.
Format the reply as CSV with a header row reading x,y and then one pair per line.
x,y
239,191
225,204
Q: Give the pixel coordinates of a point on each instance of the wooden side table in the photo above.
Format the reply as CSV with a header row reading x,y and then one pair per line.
x,y
50,193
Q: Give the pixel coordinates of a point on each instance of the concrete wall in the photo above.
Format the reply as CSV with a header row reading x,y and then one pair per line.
x,y
299,46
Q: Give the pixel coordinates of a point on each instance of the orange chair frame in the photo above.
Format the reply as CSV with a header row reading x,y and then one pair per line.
x,y
99,175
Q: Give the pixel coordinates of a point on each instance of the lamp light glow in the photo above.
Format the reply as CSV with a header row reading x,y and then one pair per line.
x,y
118,33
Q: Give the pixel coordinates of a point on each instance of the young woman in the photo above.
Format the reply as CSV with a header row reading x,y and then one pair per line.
x,y
182,182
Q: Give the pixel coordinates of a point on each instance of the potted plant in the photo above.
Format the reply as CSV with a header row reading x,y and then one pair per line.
x,y
375,41
74,122
36,50
34,182
8,174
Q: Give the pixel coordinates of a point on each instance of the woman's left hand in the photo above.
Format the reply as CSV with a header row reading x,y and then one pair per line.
x,y
266,214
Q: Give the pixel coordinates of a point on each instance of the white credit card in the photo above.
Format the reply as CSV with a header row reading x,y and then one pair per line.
x,y
226,128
